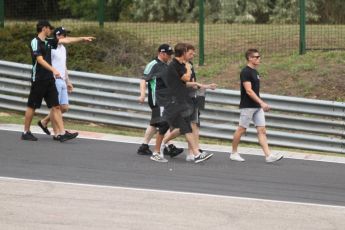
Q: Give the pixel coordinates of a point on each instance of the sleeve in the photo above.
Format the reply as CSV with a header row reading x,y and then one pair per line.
x,y
182,71
35,48
245,76
150,74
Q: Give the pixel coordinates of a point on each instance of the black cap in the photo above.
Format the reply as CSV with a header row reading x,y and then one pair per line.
x,y
60,31
43,23
166,49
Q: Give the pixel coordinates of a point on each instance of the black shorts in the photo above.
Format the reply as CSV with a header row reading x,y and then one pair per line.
x,y
174,115
43,89
156,116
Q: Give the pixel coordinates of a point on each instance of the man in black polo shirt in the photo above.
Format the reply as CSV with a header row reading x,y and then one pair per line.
x,y
252,108
43,83
156,101
180,107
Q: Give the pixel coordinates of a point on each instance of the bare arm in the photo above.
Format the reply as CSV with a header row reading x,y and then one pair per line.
x,y
142,91
248,87
68,82
197,85
69,40
46,65
186,77
212,86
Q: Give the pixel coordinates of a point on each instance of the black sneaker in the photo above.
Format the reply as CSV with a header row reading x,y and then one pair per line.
x,y
67,136
144,149
28,136
173,151
203,157
45,129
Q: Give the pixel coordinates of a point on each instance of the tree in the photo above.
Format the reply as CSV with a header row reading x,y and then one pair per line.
x,y
331,11
88,9
287,11
32,9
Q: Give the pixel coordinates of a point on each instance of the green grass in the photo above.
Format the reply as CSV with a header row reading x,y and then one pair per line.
x,y
12,117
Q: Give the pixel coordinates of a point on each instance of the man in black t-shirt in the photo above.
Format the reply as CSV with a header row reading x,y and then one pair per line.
x,y
43,83
252,108
157,92
179,108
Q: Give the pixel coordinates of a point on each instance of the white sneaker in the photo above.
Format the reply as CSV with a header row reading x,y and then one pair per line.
x,y
236,157
274,157
157,157
189,157
161,150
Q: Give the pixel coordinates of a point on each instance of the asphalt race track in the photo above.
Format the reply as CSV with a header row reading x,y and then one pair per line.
x,y
117,164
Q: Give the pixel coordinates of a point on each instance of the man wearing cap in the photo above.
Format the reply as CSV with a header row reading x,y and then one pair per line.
x,y
63,84
43,83
156,101
179,108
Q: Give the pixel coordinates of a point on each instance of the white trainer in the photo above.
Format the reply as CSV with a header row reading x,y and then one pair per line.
x,y
161,150
274,157
189,157
157,157
236,157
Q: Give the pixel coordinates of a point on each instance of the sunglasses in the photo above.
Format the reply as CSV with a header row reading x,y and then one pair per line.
x,y
256,56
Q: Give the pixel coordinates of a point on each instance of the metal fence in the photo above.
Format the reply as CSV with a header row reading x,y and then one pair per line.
x,y
293,122
221,34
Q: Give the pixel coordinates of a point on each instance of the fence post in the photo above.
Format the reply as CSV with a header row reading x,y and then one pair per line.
x,y
302,42
2,13
101,13
201,32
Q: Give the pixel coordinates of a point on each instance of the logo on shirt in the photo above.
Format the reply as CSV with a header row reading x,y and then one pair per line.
x,y
258,76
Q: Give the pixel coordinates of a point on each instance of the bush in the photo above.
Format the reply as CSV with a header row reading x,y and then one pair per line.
x,y
113,52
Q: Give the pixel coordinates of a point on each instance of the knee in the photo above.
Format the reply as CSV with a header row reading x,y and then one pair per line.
x,y
241,130
261,130
55,108
64,109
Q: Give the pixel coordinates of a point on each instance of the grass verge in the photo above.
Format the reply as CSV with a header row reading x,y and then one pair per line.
x,y
11,117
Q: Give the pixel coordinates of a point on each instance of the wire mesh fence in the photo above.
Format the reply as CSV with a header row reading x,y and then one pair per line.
x,y
230,26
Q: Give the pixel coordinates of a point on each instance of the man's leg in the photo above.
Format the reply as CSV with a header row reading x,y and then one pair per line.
x,y
170,136
45,121
237,137
27,135
262,137
144,148
198,156
29,114
192,143
195,131
150,131
56,119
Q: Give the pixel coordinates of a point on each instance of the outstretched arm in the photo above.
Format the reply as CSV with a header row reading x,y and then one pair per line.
x,y
69,40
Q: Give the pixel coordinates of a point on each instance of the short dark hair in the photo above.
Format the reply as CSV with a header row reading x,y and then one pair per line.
x,y
250,52
190,47
43,23
180,49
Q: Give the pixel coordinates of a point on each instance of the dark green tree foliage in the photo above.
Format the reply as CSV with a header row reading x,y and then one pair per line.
x,y
228,11
331,11
32,9
87,9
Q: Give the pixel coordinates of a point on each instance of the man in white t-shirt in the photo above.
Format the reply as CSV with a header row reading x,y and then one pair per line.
x,y
62,83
